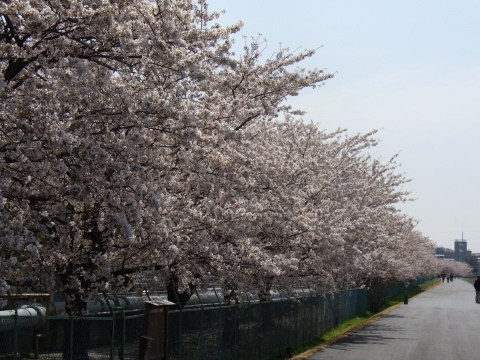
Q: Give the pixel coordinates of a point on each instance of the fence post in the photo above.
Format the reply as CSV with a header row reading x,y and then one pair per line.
x,y
122,346
202,345
118,315
219,343
71,338
405,293
15,335
153,344
112,338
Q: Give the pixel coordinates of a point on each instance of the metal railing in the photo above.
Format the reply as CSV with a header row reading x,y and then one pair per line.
x,y
248,330
256,330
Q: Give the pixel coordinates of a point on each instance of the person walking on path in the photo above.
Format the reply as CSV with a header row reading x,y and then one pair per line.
x,y
476,285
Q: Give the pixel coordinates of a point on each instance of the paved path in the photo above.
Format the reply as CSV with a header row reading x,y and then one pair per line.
x,y
442,323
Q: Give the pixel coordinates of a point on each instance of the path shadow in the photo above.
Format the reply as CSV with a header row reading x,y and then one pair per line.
x,y
374,334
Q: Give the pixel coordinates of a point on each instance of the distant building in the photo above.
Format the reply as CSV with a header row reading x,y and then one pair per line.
x,y
441,252
461,252
475,262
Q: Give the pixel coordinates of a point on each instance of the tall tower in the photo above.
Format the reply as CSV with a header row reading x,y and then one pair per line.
x,y
460,249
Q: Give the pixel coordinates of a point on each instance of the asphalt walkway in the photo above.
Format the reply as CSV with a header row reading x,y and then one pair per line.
x,y
442,323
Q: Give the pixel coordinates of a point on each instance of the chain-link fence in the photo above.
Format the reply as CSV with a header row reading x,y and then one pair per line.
x,y
69,338
256,330
250,329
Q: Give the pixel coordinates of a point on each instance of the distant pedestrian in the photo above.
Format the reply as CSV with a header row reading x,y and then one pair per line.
x,y
451,277
443,276
476,285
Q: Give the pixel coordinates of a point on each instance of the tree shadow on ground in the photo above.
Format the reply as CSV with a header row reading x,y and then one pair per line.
x,y
375,333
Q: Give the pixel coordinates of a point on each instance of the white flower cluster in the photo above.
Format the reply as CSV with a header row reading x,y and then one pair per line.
x,y
133,141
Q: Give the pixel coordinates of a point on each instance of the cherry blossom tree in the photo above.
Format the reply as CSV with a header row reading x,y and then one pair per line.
x,y
334,205
107,108
316,210
457,268
135,142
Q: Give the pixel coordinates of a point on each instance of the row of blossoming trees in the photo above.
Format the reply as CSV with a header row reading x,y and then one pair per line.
x,y
135,144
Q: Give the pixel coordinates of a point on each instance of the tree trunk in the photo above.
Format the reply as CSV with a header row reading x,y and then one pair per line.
x,y
179,298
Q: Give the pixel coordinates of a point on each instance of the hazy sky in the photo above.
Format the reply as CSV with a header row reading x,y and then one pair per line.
x,y
409,68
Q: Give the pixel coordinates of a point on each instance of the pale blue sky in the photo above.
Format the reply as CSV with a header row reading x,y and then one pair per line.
x,y
410,68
